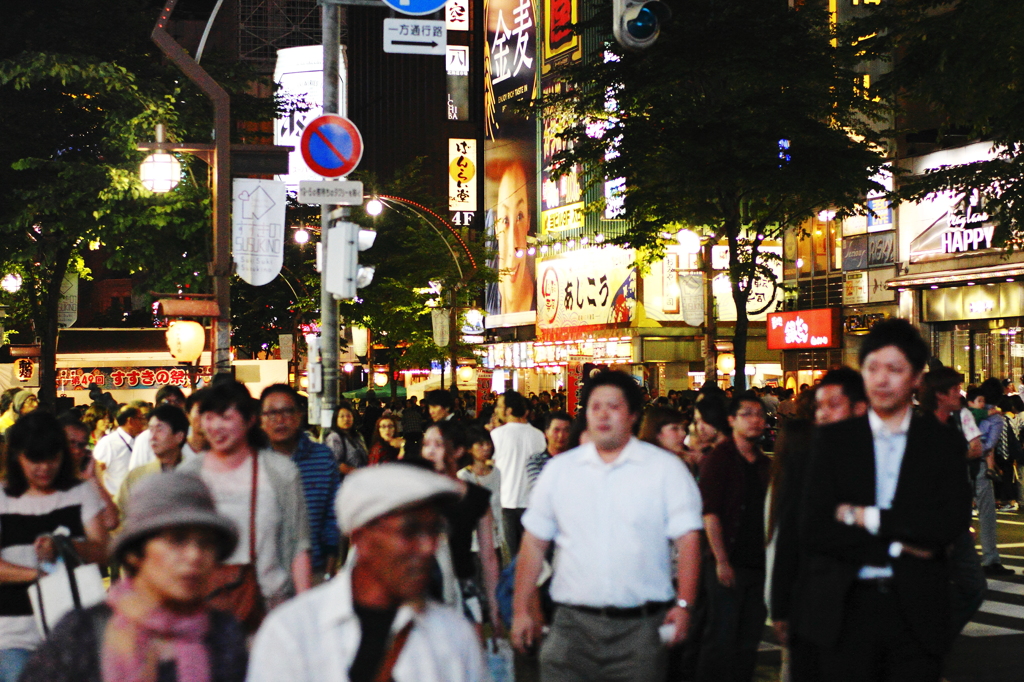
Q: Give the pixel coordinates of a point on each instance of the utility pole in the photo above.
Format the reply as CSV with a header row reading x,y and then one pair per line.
x,y
323,404
710,323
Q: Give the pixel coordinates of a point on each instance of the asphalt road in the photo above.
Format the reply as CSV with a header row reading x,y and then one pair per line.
x,y
990,649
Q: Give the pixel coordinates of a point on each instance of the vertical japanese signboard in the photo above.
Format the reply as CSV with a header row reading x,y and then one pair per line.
x,y
510,158
462,175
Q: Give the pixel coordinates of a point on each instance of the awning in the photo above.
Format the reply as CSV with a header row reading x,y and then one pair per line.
x,y
948,278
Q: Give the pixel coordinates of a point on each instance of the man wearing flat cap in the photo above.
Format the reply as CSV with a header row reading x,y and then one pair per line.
x,y
373,620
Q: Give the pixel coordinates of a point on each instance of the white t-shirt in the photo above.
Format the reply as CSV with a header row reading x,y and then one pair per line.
x,y
114,451
232,492
514,443
22,520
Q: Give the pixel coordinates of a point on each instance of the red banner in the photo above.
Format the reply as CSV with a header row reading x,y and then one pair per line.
x,y
804,329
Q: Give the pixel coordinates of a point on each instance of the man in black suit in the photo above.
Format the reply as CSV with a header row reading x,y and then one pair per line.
x,y
886,497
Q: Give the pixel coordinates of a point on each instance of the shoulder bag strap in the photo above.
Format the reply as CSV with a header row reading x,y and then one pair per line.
x,y
252,509
391,657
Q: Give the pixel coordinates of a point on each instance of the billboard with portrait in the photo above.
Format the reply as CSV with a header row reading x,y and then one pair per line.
x,y
510,159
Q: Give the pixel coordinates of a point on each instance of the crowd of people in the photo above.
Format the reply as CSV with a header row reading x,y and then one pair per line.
x,y
646,538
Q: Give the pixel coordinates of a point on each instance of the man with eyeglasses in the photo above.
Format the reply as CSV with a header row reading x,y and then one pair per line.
x,y
282,420
733,485
374,620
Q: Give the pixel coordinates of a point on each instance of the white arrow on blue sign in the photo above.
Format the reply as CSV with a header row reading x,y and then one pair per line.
x,y
414,36
415,7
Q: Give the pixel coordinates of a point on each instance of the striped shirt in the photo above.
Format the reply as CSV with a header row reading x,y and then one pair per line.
x,y
534,465
320,482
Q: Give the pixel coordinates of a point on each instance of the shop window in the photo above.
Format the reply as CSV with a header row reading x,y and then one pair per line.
x,y
814,250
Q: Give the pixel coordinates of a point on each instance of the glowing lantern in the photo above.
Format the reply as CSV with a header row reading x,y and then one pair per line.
x,y
185,340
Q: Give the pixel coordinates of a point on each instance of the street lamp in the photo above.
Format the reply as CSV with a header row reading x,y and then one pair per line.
x,y
374,207
160,172
11,283
301,236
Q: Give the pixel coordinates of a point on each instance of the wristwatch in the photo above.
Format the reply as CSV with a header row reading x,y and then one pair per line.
x,y
682,603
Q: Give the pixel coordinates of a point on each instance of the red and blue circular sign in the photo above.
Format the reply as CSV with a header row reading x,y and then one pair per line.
x,y
331,146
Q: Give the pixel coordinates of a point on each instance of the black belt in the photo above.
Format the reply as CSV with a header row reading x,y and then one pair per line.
x,y
651,608
881,585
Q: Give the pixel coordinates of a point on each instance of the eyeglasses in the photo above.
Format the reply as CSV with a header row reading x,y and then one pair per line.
x,y
274,414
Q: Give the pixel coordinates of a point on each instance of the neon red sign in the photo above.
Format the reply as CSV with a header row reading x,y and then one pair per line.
x,y
804,329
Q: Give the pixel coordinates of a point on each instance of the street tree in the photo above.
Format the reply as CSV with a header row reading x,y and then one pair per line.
x,y
419,264
958,77
76,98
742,121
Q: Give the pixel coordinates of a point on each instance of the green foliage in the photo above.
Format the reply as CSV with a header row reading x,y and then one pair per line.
x,y
960,72
81,84
695,124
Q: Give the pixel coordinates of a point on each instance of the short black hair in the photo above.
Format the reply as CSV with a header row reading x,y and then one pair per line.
x,y
711,409
900,334
515,402
556,415
127,412
992,389
440,398
973,392
477,434
39,437
624,382
939,379
283,389
744,397
173,416
849,380
194,398
223,395
169,390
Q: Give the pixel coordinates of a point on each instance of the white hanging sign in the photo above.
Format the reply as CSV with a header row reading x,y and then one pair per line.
x,y
257,235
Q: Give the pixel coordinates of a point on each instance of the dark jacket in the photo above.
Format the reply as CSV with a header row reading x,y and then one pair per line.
x,y
930,509
722,485
796,440
72,651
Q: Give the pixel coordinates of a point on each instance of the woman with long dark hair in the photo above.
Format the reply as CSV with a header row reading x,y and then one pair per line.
x,y
42,492
444,445
387,445
345,441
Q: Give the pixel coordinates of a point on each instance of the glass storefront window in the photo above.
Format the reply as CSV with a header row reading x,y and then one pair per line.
x,y
961,360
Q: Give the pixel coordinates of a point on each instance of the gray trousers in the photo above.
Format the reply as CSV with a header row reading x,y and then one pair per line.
x,y
985,498
584,647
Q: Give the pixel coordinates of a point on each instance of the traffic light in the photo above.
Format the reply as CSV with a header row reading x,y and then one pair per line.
x,y
638,22
342,270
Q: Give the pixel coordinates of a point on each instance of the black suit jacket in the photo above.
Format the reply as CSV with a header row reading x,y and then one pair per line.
x,y
930,509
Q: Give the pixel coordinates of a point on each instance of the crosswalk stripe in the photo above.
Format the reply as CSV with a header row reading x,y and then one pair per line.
x,y
982,630
1003,609
1005,586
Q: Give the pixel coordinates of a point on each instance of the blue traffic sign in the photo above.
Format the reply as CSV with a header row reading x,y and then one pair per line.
x,y
331,146
415,7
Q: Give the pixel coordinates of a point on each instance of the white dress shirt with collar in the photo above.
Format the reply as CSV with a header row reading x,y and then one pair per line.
x,y
142,451
612,523
889,449
114,451
315,636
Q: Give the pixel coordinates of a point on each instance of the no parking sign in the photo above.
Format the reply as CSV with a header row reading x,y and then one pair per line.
x,y
331,146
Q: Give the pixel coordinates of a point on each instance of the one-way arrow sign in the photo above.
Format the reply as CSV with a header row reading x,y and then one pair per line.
x,y
414,36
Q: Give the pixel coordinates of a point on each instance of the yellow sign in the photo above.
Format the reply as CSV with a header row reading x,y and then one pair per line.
x,y
569,217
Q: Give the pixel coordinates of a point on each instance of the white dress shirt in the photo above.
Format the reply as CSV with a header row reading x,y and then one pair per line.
x,y
514,444
114,451
613,523
315,636
889,449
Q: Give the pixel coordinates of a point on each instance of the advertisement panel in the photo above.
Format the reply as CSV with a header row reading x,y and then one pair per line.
x,y
130,377
585,290
510,159
462,175
674,289
804,329
300,73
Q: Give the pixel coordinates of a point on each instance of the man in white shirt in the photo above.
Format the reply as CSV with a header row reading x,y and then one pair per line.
x,y
614,507
373,620
142,450
515,442
114,451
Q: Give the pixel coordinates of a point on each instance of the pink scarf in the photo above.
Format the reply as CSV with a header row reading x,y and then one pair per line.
x,y
129,651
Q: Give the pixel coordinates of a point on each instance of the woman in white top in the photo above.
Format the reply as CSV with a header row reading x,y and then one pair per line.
x,y
41,493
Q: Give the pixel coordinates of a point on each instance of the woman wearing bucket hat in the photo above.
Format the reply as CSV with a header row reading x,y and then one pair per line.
x,y
154,624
